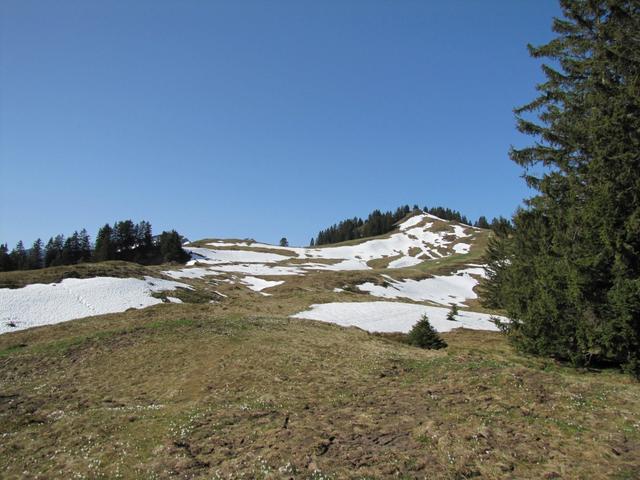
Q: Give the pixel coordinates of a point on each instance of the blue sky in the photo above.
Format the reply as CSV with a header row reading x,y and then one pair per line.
x,y
259,119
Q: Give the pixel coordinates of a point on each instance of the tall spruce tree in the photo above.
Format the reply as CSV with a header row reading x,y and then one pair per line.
x,y
171,247
53,251
105,249
5,259
19,256
124,236
84,246
71,253
482,222
35,255
571,279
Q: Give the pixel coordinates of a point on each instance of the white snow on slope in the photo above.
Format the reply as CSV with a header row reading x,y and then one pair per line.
x,y
403,262
412,222
458,231
258,284
210,256
249,268
461,248
196,272
44,304
445,290
353,257
259,269
393,316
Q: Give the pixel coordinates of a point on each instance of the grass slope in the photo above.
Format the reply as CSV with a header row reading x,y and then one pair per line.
x,y
115,268
194,391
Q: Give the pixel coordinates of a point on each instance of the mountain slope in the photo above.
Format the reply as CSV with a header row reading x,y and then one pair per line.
x,y
239,381
196,392
395,266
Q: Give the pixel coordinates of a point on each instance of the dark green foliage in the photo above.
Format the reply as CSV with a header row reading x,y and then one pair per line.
x,y
35,256
84,246
19,257
482,222
377,223
447,214
171,247
71,253
284,242
569,272
453,312
124,241
6,263
53,251
105,248
423,335
497,260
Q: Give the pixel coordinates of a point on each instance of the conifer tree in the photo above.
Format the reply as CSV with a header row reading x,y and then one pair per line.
x,y
104,244
572,282
482,222
423,335
144,238
84,246
124,235
171,247
71,250
19,256
6,264
284,242
35,255
53,251
453,313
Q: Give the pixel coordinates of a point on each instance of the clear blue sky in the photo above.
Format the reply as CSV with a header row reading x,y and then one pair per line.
x,y
259,118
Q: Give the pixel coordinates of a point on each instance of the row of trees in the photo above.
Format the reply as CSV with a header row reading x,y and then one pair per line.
x,y
379,223
124,240
568,272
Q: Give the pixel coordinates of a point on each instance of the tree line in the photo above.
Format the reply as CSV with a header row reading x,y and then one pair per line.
x,y
567,272
125,240
379,223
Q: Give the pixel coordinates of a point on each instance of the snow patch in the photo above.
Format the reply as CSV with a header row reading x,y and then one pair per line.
x,y
207,255
403,262
394,316
258,284
45,304
411,222
445,290
461,248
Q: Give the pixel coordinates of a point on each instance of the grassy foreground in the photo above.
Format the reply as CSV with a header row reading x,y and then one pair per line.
x,y
190,391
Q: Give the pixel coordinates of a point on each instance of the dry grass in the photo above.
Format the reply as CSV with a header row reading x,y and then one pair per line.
x,y
236,389
191,391
84,270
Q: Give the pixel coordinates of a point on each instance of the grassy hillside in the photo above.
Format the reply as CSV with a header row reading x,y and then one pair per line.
x,y
115,268
191,391
237,389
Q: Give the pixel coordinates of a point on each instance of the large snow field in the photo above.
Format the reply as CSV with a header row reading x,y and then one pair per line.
x,y
44,304
393,316
445,289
